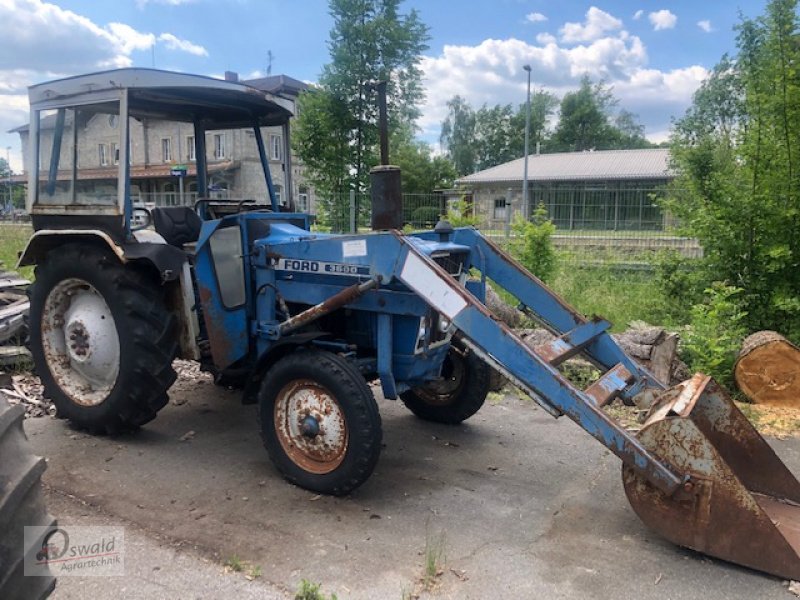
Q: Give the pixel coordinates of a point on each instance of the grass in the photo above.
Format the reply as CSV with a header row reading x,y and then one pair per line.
x,y
235,564
311,591
13,239
619,296
434,558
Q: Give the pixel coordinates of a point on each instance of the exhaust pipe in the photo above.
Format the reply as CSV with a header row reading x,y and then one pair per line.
x,y
386,189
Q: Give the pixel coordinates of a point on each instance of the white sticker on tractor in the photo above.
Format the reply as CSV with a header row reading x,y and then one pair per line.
x,y
428,284
354,248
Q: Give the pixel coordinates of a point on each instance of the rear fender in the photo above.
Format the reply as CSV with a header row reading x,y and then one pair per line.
x,y
150,251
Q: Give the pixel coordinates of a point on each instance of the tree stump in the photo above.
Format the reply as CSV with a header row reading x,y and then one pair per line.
x,y
768,370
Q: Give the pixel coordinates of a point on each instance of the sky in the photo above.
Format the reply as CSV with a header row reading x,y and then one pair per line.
x,y
653,53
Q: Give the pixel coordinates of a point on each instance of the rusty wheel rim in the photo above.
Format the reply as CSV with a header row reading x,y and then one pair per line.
x,y
311,426
80,341
449,387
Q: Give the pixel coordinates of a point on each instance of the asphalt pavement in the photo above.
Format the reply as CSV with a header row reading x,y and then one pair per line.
x,y
514,503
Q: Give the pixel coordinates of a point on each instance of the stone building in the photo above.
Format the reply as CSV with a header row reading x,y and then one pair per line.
x,y
613,190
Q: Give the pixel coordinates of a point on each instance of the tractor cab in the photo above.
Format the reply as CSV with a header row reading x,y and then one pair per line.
x,y
85,132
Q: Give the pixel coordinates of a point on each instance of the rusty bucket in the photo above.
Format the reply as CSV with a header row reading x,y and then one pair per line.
x,y
739,503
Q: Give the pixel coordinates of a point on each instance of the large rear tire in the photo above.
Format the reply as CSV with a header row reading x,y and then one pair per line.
x,y
102,339
21,505
319,422
458,395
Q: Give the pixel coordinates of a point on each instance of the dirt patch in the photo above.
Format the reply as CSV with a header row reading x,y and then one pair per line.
x,y
776,421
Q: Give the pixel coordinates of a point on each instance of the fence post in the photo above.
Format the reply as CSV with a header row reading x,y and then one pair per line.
x,y
353,219
507,214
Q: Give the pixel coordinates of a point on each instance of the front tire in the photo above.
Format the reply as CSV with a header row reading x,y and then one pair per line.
x,y
101,338
458,395
319,422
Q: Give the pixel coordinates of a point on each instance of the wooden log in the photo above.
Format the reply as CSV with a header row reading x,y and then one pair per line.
x,y
768,370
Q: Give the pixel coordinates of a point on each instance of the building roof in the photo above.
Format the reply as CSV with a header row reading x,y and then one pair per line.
x,y
282,85
650,163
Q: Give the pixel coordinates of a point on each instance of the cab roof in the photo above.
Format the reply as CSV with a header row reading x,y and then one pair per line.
x,y
165,95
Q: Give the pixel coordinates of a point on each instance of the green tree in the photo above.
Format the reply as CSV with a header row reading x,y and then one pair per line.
x,y
458,135
737,152
422,171
371,41
476,140
584,118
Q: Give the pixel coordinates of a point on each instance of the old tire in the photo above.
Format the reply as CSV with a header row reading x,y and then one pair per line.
x,y
102,339
319,422
459,394
21,504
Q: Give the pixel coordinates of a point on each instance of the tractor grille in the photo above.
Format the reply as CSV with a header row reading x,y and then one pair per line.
x,y
452,263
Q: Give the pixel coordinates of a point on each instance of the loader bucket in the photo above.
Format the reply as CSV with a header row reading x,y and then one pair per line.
x,y
740,503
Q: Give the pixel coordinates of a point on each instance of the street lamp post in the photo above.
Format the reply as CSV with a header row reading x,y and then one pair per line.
x,y
8,182
525,207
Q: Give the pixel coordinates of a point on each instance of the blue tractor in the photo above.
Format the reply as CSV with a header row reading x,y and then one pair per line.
x,y
303,322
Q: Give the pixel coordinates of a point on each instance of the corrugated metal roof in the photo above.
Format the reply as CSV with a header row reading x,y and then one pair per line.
x,y
650,163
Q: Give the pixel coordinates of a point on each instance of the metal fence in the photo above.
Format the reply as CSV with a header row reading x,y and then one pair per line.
x,y
627,227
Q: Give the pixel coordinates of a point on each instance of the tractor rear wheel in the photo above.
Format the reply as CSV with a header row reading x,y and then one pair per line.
x,y
102,339
21,505
459,393
319,422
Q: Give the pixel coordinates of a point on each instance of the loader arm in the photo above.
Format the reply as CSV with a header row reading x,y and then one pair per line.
x,y
698,472
534,373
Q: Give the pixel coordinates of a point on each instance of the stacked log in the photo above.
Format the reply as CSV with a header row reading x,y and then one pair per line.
x,y
768,370
13,311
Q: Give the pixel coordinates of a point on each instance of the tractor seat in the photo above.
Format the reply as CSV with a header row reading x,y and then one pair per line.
x,y
178,225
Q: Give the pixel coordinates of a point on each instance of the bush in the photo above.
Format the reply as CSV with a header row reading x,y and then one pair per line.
x,y
533,244
460,215
425,217
715,333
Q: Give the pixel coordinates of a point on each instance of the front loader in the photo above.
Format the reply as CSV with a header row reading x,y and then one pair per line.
x,y
304,321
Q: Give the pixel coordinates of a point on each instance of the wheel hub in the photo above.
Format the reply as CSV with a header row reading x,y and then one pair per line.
x,y
311,426
80,341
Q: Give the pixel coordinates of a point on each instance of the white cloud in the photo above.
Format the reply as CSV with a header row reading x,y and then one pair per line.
x,y
596,24
705,25
43,41
175,43
143,3
546,38
130,39
638,14
492,72
535,17
662,19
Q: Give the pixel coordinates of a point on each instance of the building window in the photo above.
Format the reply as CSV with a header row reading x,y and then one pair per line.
x,y
166,150
302,199
169,198
278,189
275,147
190,156
219,145
499,209
103,152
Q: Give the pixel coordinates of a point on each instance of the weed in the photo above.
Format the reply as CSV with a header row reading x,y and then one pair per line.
x,y
234,563
716,333
254,572
434,557
311,591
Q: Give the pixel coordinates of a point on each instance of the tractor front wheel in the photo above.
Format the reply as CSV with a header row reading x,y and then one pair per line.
x,y
319,422
102,339
457,395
